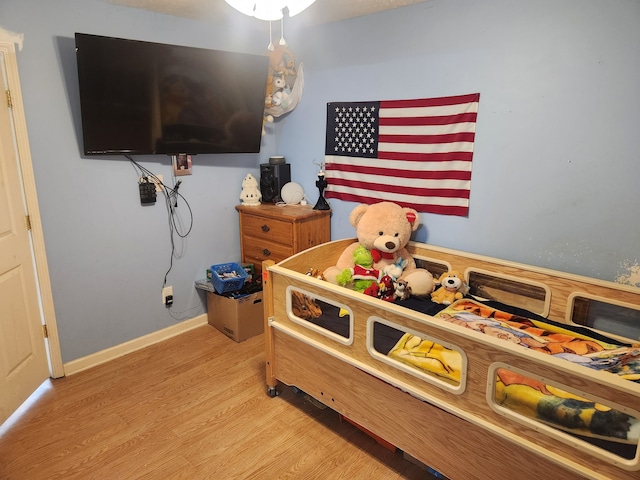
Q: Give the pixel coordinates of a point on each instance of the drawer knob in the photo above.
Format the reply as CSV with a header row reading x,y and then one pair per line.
x,y
265,228
266,252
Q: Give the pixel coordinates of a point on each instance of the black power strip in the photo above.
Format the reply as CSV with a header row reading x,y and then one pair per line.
x,y
147,191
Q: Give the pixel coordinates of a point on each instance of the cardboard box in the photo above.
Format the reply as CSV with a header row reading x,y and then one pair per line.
x,y
238,318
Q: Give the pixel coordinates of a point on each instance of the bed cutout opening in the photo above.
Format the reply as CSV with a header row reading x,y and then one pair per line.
x,y
421,355
532,296
602,315
604,430
320,314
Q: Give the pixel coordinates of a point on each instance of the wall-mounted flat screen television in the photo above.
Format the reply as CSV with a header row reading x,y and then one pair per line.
x,y
141,98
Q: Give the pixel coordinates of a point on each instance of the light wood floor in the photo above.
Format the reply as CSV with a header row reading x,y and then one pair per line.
x,y
192,407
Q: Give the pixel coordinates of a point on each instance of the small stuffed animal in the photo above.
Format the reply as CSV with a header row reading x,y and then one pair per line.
x,y
281,76
403,291
395,270
315,273
384,229
277,89
361,276
451,288
387,288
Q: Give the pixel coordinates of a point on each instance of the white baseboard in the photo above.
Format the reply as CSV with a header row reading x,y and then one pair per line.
x,y
103,356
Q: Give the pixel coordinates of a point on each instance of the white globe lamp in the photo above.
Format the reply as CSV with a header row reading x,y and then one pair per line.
x,y
292,193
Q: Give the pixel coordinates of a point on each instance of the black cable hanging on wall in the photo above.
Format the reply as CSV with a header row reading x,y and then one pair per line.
x,y
171,195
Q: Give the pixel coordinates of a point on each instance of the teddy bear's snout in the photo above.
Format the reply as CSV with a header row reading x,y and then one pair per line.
x,y
390,245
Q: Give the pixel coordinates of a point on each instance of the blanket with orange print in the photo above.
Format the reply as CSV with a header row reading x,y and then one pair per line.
x,y
528,396
548,338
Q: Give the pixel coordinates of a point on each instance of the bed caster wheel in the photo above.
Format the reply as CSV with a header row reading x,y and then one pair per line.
x,y
272,392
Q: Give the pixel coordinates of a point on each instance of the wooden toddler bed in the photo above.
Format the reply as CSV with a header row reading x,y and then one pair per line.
x,y
505,383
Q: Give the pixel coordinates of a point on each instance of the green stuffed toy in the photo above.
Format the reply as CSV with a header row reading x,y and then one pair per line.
x,y
362,275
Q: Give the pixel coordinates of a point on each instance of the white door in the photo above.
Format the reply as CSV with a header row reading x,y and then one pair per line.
x,y
23,357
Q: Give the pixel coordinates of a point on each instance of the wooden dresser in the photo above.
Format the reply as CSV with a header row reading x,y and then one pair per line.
x,y
268,231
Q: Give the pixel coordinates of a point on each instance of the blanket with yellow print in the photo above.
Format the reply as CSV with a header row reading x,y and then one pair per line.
x,y
526,395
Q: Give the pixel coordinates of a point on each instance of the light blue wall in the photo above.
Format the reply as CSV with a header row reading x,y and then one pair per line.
x,y
556,167
107,254
556,163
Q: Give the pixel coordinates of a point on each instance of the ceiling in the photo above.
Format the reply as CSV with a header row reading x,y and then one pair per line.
x,y
322,11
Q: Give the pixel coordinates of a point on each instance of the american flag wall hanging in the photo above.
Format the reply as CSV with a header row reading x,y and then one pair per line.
x,y
416,153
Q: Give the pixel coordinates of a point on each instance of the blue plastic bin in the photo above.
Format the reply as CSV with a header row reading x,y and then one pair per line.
x,y
224,284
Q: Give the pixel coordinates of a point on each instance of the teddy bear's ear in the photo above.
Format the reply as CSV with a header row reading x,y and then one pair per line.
x,y
412,218
357,213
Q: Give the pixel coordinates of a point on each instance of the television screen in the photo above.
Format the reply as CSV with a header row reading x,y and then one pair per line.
x,y
150,98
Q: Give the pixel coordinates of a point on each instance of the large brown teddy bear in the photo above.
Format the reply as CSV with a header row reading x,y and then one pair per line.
x,y
385,228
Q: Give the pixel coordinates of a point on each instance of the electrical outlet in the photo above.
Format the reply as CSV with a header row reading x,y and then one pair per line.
x,y
157,181
167,296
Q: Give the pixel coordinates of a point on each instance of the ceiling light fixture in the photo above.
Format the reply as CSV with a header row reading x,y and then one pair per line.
x,y
269,10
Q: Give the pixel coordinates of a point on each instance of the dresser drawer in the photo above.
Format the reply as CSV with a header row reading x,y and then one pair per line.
x,y
260,250
268,229
271,232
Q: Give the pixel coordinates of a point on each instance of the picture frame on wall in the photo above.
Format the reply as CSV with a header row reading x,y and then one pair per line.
x,y
181,164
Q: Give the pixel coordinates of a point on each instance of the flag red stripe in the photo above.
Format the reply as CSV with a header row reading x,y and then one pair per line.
x,y
427,139
420,207
395,172
430,102
426,157
403,189
418,121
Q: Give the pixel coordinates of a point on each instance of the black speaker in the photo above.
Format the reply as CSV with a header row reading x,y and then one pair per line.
x,y
272,179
